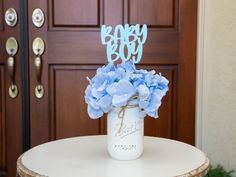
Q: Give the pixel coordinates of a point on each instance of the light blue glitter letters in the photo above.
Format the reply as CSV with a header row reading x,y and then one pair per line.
x,y
126,43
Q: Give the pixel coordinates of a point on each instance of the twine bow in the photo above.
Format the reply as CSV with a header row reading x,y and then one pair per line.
x,y
121,113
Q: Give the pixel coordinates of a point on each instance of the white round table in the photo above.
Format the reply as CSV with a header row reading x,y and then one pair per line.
x,y
87,157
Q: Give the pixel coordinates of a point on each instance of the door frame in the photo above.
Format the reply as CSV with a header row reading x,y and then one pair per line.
x,y
24,36
199,75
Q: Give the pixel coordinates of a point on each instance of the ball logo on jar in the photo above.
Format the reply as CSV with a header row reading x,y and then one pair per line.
x,y
127,129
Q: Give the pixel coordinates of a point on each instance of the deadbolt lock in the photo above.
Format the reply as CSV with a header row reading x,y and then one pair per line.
x,y
38,18
11,17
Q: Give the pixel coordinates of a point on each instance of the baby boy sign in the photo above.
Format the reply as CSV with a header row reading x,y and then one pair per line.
x,y
125,43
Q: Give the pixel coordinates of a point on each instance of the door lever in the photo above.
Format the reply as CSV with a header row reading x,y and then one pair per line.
x,y
12,48
38,49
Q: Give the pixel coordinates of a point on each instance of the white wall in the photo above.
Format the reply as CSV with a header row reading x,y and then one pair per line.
x,y
216,92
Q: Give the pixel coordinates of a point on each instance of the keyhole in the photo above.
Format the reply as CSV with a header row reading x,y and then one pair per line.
x,y
37,17
38,51
13,88
10,17
12,51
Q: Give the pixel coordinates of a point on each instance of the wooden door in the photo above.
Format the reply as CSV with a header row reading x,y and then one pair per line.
x,y
10,108
71,33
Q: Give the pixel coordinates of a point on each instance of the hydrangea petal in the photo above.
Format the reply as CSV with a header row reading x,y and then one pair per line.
x,y
136,83
88,90
143,92
92,102
103,86
97,94
143,104
119,101
160,93
153,114
111,89
153,105
94,113
105,103
105,69
125,87
128,66
100,78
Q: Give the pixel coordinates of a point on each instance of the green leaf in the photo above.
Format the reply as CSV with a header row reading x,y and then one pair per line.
x,y
219,171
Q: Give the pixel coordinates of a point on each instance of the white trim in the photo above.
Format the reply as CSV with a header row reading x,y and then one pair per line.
x,y
199,74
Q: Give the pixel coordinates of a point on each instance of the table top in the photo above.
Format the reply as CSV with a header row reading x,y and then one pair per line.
x,y
87,157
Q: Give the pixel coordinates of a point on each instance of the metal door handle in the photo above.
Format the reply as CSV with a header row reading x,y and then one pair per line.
x,y
38,68
12,48
11,68
38,49
39,90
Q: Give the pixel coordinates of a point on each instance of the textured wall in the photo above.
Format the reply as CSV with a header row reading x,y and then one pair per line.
x,y
219,82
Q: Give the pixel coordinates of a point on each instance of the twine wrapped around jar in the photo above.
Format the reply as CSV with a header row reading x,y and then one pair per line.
x,y
121,113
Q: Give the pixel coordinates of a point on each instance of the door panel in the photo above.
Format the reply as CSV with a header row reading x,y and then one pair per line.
x,y
86,14
155,13
113,17
89,14
69,119
11,108
74,51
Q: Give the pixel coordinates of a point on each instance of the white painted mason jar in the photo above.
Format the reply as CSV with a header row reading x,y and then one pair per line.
x,y
125,133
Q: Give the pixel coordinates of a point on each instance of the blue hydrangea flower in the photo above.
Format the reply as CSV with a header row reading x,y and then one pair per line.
x,y
114,86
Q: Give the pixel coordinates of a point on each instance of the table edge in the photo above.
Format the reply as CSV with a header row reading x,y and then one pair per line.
x,y
201,171
23,171
198,172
